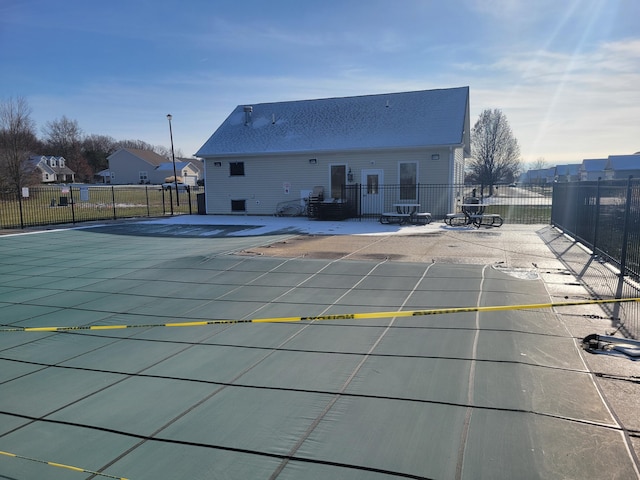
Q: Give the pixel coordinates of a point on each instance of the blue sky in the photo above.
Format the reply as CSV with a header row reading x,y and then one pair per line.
x,y
565,72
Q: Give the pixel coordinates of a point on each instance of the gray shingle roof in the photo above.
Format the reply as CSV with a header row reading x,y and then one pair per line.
x,y
393,120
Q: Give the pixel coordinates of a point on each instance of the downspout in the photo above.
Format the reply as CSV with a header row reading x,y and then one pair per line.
x,y
206,196
452,176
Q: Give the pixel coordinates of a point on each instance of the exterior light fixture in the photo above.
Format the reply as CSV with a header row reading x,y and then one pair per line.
x,y
313,161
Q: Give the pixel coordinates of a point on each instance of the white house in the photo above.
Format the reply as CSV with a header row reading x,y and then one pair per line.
x,y
187,170
269,153
52,169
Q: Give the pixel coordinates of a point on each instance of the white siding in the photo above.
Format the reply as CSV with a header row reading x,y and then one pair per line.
x,y
266,177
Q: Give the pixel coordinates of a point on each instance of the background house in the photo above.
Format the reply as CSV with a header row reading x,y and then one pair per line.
x,y
539,176
103,176
132,166
52,169
269,153
592,169
567,173
188,170
619,167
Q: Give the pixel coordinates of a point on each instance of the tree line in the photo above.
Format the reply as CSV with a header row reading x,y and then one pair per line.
x,y
84,154
495,152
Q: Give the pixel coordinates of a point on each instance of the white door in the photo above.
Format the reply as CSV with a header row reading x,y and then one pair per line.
x,y
372,193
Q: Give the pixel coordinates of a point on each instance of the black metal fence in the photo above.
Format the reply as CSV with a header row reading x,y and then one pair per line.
x,y
605,217
50,205
523,204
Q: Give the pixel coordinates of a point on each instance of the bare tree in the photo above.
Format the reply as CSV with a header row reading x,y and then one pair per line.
x,y
494,150
539,164
63,138
17,142
137,144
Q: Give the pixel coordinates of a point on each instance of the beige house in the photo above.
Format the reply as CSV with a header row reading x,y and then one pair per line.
x,y
269,153
130,166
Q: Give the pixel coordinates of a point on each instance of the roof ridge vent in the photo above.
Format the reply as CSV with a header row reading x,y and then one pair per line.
x,y
248,110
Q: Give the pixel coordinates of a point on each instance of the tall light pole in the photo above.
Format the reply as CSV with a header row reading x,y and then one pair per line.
x,y
173,157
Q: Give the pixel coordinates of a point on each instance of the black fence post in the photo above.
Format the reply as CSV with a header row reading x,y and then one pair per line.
x,y
73,211
596,227
623,254
146,192
625,231
21,212
113,200
188,198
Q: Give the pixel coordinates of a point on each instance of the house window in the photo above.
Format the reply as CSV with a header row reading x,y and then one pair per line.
x,y
238,205
236,169
373,187
338,180
408,180
144,177
61,162
52,162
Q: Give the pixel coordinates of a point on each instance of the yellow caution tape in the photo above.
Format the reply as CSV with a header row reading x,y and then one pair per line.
x,y
60,465
346,316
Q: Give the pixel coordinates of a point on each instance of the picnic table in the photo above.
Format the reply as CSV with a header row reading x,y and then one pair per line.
x,y
473,213
406,213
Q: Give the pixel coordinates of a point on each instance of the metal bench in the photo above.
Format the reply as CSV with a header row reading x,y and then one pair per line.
x,y
394,217
421,218
487,219
455,219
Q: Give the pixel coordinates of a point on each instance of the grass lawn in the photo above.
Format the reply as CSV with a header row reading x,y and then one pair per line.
x,y
56,205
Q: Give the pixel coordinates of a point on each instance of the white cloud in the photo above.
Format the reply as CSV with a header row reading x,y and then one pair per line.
x,y
569,106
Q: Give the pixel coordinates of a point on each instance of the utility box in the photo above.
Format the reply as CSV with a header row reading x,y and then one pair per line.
x,y
202,204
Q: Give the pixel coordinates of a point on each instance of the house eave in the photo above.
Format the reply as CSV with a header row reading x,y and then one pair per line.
x,y
331,151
